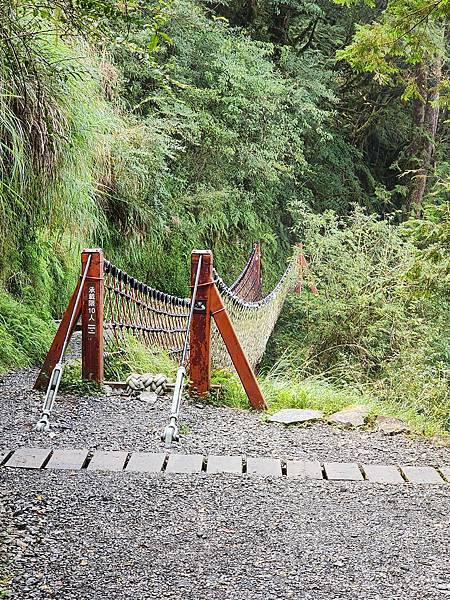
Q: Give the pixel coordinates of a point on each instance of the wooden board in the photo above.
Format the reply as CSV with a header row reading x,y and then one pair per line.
x,y
107,460
224,464
185,463
343,471
383,474
304,469
67,459
146,462
421,474
28,458
264,466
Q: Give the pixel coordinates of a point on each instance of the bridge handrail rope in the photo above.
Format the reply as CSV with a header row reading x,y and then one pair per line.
x,y
248,284
253,321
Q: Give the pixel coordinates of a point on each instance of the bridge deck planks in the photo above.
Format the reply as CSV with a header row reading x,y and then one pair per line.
x,y
67,459
382,474
28,458
343,471
107,460
264,466
224,464
421,474
146,462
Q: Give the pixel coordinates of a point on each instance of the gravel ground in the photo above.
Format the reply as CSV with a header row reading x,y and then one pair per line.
x,y
121,423
133,536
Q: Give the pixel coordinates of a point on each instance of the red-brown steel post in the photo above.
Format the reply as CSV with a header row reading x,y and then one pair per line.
x,y
258,268
200,332
92,317
54,353
235,350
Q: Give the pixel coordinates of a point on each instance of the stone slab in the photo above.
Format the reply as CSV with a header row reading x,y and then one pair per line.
x,y
264,466
67,459
304,469
421,474
146,462
390,425
383,474
28,458
343,471
224,464
352,416
185,463
445,472
107,460
288,416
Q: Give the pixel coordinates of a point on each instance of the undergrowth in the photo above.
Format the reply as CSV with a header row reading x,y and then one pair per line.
x,y
137,358
320,394
24,337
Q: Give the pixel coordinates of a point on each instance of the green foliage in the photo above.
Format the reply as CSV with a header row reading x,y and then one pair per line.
x,y
285,387
136,358
24,337
408,32
374,324
73,383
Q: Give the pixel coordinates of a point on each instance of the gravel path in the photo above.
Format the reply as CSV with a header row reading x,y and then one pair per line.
x,y
120,423
128,536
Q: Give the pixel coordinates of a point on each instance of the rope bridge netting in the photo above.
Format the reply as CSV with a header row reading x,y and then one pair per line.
x,y
159,320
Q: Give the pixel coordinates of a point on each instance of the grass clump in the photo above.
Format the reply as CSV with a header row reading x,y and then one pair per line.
x,y
73,383
24,337
318,393
137,358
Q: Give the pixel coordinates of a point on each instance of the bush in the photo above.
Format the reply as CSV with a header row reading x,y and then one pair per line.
x,y
374,324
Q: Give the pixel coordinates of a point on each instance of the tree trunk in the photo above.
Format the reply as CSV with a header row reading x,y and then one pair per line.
x,y
425,121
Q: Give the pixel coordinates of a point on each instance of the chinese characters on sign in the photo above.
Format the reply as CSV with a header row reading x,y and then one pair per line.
x,y
91,328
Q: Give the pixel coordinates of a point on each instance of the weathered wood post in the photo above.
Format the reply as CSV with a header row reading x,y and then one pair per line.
x,y
92,317
200,332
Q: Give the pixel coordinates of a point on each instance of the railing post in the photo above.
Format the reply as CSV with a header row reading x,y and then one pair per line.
x,y
258,273
200,332
92,317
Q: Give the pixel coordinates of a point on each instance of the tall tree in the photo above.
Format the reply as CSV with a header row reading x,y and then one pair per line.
x,y
406,46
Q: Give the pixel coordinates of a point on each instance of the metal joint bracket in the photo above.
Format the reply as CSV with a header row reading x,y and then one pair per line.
x,y
200,306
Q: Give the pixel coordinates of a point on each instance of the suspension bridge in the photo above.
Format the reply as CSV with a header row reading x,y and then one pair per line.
x,y
218,326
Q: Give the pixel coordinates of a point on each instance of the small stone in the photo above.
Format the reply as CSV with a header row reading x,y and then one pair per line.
x,y
352,416
287,416
150,397
390,425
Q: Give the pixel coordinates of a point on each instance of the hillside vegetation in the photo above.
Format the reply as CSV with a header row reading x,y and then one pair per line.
x,y
150,128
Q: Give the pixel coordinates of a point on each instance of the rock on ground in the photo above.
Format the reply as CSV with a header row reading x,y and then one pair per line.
x,y
288,416
353,416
